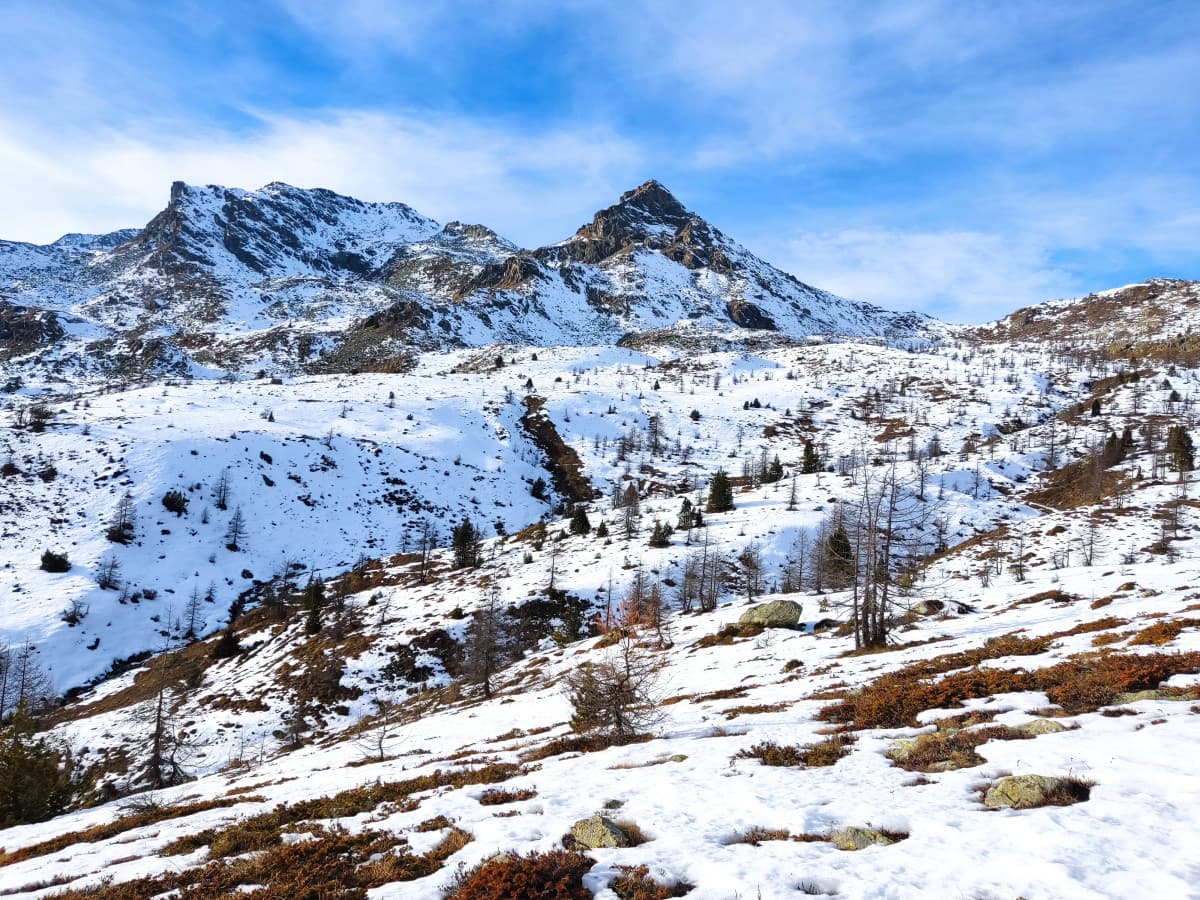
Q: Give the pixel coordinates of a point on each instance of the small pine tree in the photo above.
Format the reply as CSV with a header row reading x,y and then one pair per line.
x,y
538,490
37,780
720,493
774,471
686,515
661,535
314,602
841,557
1181,449
579,520
464,538
812,461
602,529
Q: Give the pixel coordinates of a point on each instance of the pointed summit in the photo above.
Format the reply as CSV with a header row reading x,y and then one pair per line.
x,y
654,204
648,214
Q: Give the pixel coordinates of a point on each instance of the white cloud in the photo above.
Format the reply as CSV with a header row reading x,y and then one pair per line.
x,y
531,187
958,276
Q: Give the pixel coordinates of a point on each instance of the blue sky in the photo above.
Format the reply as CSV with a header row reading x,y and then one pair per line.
x,y
963,158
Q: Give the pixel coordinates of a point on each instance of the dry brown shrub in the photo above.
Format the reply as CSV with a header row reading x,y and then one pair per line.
x,y
1162,632
635,883
500,796
139,819
824,753
266,829
556,875
1083,683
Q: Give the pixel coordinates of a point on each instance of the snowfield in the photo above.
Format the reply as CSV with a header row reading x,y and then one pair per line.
x,y
334,476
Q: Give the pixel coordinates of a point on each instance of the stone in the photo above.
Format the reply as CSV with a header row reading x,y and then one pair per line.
x,y
902,749
598,831
1042,726
929,607
854,838
776,614
1020,791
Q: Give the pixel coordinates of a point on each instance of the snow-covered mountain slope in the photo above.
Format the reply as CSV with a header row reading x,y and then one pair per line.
x,y
289,279
1158,318
1043,644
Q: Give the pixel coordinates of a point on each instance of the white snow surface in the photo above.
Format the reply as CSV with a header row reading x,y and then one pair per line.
x,y
336,440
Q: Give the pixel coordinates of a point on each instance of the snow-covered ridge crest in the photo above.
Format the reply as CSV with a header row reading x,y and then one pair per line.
x,y
292,279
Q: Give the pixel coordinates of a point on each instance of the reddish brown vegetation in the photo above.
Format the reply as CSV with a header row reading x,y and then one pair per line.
x,y
557,875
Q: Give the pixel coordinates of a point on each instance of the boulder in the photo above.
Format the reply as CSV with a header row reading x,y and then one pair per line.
x,y
854,838
1021,791
1042,726
902,749
598,831
776,614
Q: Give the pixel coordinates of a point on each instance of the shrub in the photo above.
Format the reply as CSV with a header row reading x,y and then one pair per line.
x,y
556,875
500,796
1081,684
635,883
55,562
824,753
175,502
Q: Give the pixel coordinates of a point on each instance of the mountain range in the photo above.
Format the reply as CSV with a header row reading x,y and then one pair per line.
x,y
289,279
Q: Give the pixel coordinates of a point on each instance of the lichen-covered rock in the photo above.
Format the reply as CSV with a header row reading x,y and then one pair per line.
x,y
598,831
1021,791
1042,726
902,749
776,614
854,838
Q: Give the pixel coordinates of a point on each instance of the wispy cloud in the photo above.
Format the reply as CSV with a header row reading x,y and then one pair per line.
x,y
958,276
516,182
919,153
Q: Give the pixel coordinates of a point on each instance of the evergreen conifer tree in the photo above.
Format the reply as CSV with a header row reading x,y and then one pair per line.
x,y
720,493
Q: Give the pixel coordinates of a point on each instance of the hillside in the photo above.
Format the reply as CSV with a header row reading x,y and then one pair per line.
x,y
1159,318
1034,568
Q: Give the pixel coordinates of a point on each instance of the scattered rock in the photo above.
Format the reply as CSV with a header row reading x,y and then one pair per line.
x,y
1042,726
902,749
854,838
598,831
929,607
1021,791
776,614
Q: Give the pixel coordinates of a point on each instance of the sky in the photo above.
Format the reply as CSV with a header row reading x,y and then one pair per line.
x,y
960,158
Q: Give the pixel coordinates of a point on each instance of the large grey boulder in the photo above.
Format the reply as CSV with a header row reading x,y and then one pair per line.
x,y
776,614
1021,791
598,831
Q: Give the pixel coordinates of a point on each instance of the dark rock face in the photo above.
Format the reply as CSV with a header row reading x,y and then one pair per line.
x,y
648,214
24,329
747,315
